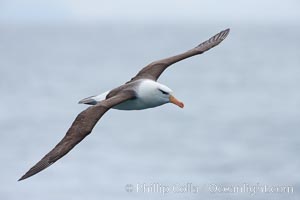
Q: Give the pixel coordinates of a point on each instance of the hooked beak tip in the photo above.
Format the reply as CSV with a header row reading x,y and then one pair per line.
x,y
181,105
176,101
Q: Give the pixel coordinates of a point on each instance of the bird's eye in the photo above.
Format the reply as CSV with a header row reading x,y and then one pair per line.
x,y
163,92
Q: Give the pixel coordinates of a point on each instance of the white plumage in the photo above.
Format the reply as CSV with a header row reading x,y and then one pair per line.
x,y
149,94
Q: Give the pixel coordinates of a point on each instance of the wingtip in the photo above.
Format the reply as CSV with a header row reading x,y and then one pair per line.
x,y
227,30
26,175
22,178
223,34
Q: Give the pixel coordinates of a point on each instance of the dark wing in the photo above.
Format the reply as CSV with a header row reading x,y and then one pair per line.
x,y
155,69
80,128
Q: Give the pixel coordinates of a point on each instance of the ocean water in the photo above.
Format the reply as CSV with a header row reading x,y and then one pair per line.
x,y
239,128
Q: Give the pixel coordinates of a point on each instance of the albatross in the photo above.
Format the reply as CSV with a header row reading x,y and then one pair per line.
x,y
141,92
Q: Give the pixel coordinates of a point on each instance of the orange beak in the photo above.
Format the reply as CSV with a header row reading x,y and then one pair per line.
x,y
175,101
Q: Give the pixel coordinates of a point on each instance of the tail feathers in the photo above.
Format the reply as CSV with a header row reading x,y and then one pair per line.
x,y
88,100
93,100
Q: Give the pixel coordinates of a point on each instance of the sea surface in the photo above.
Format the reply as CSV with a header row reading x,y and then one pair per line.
x,y
237,137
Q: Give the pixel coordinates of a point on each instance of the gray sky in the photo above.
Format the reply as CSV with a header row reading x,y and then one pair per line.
x,y
154,10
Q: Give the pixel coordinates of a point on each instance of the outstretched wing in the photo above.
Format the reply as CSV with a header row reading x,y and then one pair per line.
x,y
80,128
155,69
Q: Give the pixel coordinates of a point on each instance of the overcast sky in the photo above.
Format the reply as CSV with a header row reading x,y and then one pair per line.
x,y
154,10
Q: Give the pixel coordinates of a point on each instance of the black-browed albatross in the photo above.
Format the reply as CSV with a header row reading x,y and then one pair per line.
x,y
141,92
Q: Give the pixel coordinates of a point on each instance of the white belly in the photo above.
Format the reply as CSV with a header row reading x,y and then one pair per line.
x,y
135,104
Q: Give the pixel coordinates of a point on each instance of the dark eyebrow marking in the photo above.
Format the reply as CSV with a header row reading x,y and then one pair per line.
x,y
163,91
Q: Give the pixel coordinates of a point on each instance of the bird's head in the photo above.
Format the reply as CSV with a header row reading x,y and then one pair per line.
x,y
166,95
155,94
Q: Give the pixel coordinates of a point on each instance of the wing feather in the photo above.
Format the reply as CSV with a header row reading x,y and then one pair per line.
x,y
155,69
80,128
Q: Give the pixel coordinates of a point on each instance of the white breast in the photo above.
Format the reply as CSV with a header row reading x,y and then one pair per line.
x,y
148,96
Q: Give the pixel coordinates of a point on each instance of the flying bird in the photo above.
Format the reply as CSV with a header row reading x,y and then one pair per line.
x,y
141,92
